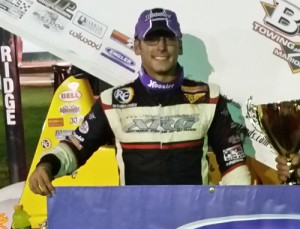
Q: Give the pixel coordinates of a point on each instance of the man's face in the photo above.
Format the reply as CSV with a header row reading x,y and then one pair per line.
x,y
159,52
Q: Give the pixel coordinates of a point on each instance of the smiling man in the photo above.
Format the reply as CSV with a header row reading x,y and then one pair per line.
x,y
162,122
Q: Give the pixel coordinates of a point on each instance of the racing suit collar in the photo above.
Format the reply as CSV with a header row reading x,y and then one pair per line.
x,y
155,85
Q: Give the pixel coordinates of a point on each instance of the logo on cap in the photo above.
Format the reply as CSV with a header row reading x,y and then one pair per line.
x,y
157,16
156,20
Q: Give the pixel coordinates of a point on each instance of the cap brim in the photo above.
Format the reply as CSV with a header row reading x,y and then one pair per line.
x,y
157,29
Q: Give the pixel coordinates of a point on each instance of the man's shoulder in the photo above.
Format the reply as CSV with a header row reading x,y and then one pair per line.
x,y
196,86
127,85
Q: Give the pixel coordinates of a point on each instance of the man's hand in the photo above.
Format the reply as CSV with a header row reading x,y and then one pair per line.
x,y
283,168
40,180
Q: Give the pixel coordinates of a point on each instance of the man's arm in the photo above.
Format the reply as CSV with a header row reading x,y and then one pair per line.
x,y
224,138
40,181
71,153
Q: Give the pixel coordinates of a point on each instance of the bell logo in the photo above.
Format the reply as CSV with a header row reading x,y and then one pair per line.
x,y
283,16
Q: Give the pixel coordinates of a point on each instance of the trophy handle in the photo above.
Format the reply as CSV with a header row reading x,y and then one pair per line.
x,y
252,115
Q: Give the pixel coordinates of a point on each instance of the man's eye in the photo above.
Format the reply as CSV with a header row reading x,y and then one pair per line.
x,y
171,38
154,40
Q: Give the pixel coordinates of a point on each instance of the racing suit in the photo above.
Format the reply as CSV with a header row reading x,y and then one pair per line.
x,y
160,137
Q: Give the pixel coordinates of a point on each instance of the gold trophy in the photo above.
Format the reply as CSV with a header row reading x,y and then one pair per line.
x,y
279,123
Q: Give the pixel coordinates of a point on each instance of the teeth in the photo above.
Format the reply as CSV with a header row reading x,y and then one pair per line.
x,y
160,58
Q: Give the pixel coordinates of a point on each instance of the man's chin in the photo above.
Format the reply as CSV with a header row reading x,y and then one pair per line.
x,y
164,71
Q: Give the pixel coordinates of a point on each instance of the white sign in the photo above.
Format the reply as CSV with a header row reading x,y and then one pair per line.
x,y
249,47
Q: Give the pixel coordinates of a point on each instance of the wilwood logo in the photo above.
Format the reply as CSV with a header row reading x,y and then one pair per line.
x,y
282,21
49,20
89,24
84,39
62,7
119,58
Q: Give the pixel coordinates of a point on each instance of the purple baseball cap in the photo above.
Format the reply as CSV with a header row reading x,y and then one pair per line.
x,y
157,19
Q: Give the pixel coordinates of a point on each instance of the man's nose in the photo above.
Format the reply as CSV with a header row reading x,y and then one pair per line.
x,y
162,44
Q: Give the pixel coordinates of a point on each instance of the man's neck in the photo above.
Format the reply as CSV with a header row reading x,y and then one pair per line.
x,y
165,77
151,83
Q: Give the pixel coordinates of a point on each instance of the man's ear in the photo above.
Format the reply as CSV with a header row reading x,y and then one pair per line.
x,y
136,47
180,47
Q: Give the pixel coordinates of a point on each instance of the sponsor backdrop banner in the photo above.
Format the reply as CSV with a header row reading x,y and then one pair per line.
x,y
249,47
170,207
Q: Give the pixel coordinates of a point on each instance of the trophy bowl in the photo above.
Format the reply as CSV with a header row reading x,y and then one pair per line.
x,y
279,123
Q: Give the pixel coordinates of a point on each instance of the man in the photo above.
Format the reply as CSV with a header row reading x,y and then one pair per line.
x,y
162,123
285,169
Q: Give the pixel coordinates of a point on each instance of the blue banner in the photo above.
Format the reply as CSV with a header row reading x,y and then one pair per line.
x,y
184,207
